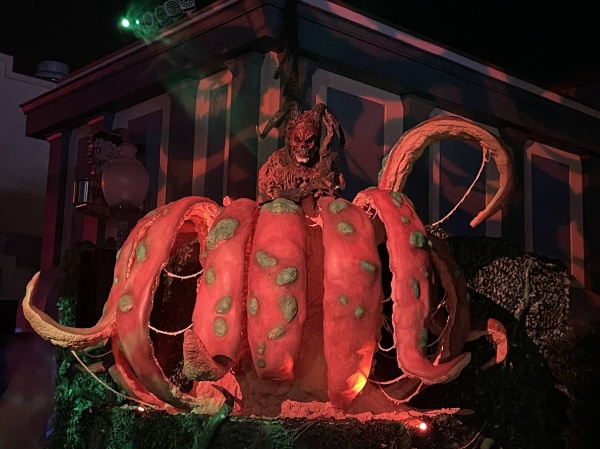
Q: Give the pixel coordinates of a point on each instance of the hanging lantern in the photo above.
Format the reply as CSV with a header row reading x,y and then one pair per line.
x,y
125,180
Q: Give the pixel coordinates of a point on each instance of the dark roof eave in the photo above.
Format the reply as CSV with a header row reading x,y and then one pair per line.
x,y
142,71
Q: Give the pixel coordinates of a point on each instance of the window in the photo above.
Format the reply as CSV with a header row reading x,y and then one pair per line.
x,y
554,206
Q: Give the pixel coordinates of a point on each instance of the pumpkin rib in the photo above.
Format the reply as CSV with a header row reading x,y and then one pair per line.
x,y
409,261
277,280
152,253
224,298
351,310
218,317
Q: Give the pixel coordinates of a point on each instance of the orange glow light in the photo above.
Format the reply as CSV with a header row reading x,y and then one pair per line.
x,y
357,382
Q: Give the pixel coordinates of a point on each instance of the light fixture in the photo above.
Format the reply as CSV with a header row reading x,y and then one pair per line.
x,y
141,24
82,192
124,179
125,183
187,6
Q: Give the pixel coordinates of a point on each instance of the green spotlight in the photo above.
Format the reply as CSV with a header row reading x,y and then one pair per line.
x,y
125,23
137,21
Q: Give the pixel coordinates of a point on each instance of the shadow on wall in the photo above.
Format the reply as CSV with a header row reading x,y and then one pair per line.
x,y
27,379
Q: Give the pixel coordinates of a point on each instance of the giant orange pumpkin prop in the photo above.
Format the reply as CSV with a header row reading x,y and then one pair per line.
x,y
282,288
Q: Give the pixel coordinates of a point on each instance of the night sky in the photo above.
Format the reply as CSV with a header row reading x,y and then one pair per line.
x,y
542,44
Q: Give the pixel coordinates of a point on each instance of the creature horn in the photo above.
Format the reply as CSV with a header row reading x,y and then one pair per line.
x,y
399,162
290,108
321,112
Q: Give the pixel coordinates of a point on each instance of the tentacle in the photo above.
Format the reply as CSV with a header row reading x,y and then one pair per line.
x,y
125,378
399,162
277,280
410,265
219,318
453,282
58,334
79,338
352,311
150,252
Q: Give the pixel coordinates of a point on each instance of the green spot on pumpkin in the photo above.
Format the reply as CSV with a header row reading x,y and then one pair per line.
x,y
261,363
125,303
253,306
423,336
280,206
343,300
116,280
286,276
265,260
140,252
345,228
210,276
261,347
223,305
337,205
396,198
405,219
416,288
383,162
417,239
425,273
359,311
367,266
276,332
220,327
288,306
118,254
224,229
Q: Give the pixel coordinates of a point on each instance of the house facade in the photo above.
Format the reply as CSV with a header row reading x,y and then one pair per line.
x,y
193,95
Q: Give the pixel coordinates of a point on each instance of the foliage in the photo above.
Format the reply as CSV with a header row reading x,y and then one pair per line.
x,y
578,368
76,390
516,403
126,427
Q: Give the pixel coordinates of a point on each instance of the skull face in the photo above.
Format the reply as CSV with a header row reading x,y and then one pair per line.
x,y
303,143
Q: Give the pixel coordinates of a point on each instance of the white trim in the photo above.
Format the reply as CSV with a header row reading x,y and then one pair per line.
x,y
576,237
435,179
493,225
160,103
393,109
437,50
205,86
